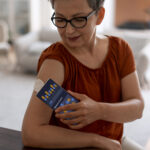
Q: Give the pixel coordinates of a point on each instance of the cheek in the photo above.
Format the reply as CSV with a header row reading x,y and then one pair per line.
x,y
92,26
60,31
90,30
62,34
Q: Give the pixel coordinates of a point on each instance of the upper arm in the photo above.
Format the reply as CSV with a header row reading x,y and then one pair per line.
x,y
130,87
38,113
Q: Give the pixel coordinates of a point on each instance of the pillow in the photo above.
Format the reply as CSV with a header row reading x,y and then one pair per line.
x,y
37,47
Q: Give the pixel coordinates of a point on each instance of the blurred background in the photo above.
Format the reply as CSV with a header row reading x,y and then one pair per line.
x,y
26,30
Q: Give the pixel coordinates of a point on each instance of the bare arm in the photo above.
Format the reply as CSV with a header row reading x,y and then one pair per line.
x,y
36,131
132,106
88,110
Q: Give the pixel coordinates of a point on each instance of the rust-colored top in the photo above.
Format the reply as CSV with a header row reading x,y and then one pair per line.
x,y
102,84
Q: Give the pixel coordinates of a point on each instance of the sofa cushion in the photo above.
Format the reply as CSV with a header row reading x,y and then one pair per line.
x,y
49,35
37,47
4,48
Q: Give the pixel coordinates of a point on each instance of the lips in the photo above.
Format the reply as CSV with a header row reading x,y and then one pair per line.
x,y
73,38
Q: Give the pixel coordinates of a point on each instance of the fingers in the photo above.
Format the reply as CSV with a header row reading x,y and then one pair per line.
x,y
77,95
77,126
75,119
76,123
74,115
67,107
66,115
72,121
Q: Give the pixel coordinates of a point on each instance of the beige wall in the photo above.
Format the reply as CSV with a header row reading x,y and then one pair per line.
x,y
131,10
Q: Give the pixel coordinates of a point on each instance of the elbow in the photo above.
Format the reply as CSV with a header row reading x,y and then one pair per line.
x,y
25,142
25,138
141,109
28,137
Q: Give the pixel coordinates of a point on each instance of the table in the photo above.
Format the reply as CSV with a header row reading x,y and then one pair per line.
x,y
11,140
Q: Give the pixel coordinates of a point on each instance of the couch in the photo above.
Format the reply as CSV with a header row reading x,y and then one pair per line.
x,y
4,46
139,41
28,48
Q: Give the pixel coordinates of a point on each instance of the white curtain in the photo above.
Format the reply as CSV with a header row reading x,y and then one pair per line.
x,y
40,14
108,21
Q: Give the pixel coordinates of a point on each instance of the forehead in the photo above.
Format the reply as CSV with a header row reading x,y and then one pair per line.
x,y
69,7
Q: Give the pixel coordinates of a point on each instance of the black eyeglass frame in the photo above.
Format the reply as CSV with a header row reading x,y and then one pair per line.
x,y
70,21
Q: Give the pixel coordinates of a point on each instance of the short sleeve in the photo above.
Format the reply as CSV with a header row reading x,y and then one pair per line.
x,y
126,59
41,59
51,52
55,51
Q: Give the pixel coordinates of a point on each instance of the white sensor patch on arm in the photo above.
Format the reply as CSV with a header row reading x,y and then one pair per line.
x,y
38,85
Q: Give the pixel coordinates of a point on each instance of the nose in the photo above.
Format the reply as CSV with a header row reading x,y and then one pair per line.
x,y
69,28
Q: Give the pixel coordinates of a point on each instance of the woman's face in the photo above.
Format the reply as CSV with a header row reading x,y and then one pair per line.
x,y
75,37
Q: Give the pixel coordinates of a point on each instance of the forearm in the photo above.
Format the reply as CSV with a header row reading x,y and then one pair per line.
x,y
47,136
126,111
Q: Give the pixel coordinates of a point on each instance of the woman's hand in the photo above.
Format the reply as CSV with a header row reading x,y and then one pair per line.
x,y
83,113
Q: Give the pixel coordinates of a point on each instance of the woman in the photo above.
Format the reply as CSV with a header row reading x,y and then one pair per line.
x,y
98,71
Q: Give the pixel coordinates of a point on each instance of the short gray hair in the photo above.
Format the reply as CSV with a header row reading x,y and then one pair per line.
x,y
94,4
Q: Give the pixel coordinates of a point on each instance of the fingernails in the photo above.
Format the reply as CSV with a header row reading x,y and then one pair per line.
x,y
56,115
57,110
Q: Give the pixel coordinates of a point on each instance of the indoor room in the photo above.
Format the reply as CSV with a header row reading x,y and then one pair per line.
x,y
26,30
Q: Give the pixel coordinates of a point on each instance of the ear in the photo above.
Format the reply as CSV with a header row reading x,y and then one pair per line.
x,y
100,15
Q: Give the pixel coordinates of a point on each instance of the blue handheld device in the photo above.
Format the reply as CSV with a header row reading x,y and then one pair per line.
x,y
55,96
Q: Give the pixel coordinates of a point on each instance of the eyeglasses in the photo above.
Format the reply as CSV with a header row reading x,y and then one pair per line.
x,y
77,22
